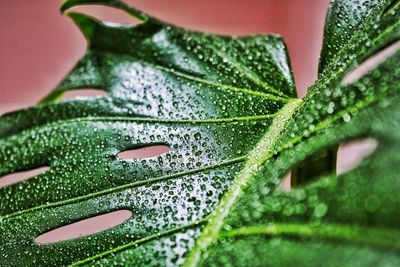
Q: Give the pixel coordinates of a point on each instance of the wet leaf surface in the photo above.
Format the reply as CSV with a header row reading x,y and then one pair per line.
x,y
226,109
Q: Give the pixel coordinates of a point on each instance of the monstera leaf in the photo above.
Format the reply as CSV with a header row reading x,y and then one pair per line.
x,y
226,108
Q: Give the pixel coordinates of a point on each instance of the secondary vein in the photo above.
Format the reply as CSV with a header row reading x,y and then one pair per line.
x,y
137,242
228,87
123,187
364,235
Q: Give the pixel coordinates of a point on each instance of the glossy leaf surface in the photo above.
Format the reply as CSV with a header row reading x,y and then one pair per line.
x,y
226,108
192,92
348,217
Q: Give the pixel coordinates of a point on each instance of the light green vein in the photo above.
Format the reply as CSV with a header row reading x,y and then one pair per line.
x,y
58,123
370,236
335,117
139,183
278,96
184,121
256,158
228,87
137,242
248,73
125,186
329,75
393,5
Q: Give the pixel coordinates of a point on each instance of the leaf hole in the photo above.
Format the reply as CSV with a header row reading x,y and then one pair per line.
x,y
85,227
286,183
348,157
149,151
18,177
370,63
107,14
351,154
83,94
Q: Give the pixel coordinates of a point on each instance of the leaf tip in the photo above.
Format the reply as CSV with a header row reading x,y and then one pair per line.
x,y
85,23
67,4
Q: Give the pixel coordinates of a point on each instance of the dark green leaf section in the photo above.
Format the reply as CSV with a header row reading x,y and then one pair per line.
x,y
223,106
349,219
209,98
344,23
375,34
266,251
344,19
329,100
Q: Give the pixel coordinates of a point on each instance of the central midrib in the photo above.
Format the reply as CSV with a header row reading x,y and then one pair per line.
x,y
256,157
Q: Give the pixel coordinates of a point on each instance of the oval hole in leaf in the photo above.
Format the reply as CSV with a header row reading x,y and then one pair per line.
x,y
285,184
86,93
352,153
107,14
319,164
348,157
85,227
370,63
149,151
18,177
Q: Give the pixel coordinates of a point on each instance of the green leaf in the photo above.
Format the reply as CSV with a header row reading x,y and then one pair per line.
x,y
344,22
225,106
345,19
346,220
209,98
352,212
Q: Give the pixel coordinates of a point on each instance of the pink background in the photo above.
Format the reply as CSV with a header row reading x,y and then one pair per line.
x,y
38,45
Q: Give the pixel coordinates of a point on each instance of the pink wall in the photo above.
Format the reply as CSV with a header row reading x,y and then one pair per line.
x,y
38,45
